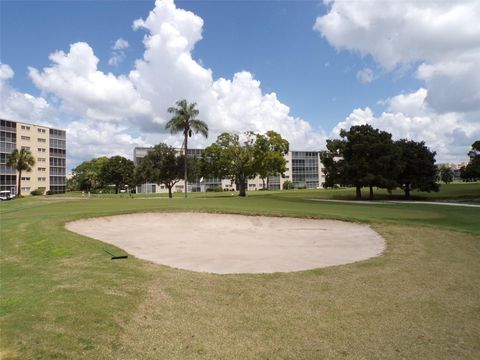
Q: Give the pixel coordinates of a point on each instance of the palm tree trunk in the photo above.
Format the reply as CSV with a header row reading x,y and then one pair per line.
x,y
19,189
186,180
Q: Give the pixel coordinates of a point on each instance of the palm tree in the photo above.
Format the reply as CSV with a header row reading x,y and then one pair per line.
x,y
22,161
184,120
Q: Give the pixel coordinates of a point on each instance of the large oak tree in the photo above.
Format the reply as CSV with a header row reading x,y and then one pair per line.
x,y
161,165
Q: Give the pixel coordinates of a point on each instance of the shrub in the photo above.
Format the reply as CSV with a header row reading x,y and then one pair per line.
x,y
287,185
215,189
39,191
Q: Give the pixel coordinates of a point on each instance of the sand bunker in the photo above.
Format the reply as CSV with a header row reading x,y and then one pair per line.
x,y
227,244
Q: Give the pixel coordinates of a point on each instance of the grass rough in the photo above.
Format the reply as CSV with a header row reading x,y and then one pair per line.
x,y
62,296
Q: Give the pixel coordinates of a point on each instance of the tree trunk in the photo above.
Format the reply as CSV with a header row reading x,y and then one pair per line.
x,y
407,191
268,183
169,191
370,197
242,187
358,193
19,189
263,183
186,180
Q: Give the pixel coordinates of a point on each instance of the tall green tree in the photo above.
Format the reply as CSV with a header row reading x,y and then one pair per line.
x,y
185,120
229,157
118,171
22,161
269,151
87,175
418,170
161,165
471,172
368,158
332,162
446,174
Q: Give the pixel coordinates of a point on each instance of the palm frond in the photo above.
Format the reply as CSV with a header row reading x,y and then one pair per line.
x,y
199,126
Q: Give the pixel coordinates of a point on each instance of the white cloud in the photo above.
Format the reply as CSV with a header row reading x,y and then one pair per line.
x,y
365,75
118,53
16,105
443,36
408,116
85,91
87,139
6,72
120,44
116,58
107,114
168,72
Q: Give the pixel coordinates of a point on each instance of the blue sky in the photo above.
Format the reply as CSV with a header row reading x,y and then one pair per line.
x,y
316,72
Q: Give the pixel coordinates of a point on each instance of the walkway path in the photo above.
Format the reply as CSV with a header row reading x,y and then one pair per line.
x,y
363,202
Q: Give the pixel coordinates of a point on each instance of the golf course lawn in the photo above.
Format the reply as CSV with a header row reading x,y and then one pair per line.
x,y
63,298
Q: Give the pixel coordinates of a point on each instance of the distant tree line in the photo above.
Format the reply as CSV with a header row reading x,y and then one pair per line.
x,y
368,157
362,157
231,156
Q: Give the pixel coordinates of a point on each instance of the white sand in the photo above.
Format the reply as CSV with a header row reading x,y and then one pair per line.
x,y
227,244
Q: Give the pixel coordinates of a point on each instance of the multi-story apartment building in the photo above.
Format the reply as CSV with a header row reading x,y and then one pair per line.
x,y
48,147
304,170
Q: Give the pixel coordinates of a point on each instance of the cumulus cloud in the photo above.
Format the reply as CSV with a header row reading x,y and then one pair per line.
x,y
87,139
120,44
107,114
118,53
85,91
443,37
168,72
22,106
365,75
6,72
409,116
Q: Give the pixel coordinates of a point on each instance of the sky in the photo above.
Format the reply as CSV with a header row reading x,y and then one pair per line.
x,y
107,71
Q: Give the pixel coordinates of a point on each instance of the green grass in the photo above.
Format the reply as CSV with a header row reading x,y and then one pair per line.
x,y
461,192
61,296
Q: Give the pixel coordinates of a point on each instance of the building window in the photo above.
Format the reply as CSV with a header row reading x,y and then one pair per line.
x,y
42,150
42,179
41,140
41,131
25,127
42,160
27,138
42,169
25,178
24,189
26,148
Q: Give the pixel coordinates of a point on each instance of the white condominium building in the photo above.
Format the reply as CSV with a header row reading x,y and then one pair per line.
x,y
304,170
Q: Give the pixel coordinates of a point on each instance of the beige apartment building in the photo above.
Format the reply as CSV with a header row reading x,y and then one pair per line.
x,y
48,147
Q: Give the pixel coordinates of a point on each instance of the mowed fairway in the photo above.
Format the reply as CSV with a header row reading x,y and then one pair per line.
x,y
62,297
